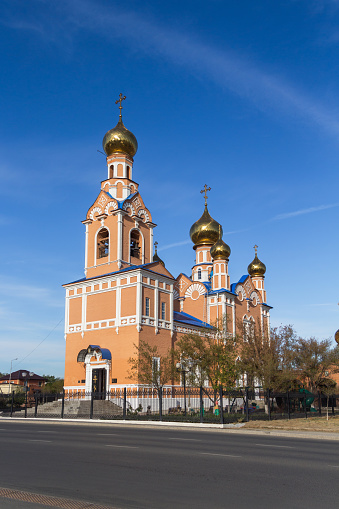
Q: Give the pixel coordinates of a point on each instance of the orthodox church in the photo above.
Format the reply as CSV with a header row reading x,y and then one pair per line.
x,y
128,295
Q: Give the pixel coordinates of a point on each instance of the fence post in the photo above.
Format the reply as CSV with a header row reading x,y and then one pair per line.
x,y
124,407
201,406
12,403
288,405
333,396
63,404
246,403
305,406
319,402
160,404
36,405
269,404
92,404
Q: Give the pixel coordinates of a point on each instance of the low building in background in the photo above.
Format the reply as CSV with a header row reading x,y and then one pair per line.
x,y
18,380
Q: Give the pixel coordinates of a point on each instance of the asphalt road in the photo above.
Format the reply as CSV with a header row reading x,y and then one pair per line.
x,y
136,467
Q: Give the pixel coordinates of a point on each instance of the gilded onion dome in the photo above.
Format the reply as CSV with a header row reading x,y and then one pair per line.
x,y
205,230
120,139
336,336
256,268
220,250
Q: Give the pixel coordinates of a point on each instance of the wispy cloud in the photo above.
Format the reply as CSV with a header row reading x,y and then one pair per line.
x,y
300,212
324,304
175,244
29,293
224,67
185,242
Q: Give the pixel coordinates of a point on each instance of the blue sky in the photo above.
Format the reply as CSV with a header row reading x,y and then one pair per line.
x,y
243,96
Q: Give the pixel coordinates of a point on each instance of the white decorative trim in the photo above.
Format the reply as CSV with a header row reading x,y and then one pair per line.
x,y
93,211
241,292
254,298
129,206
175,295
143,212
195,288
111,204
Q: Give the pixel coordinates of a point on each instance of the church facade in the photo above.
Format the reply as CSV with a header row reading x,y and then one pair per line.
x,y
127,295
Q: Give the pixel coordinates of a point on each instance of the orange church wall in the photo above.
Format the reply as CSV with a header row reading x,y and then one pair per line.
x,y
196,307
75,307
101,306
148,292
74,371
128,301
164,297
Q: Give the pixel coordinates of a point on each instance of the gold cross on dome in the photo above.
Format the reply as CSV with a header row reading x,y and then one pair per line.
x,y
121,98
155,246
205,190
256,250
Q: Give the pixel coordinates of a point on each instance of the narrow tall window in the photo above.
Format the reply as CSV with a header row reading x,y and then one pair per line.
x,y
103,243
163,311
199,273
147,306
135,247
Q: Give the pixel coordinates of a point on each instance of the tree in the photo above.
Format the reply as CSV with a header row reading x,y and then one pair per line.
x,y
53,384
149,367
213,357
327,387
270,357
315,359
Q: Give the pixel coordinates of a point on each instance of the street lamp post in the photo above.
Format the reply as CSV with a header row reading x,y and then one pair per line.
x,y
10,374
24,374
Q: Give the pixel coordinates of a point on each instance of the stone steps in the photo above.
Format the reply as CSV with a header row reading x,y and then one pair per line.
x,y
101,408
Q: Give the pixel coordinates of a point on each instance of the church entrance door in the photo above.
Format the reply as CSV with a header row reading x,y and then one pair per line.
x,y
99,383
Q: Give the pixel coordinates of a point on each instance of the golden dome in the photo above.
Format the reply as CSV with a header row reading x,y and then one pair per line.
x,y
205,230
220,250
256,268
120,139
336,336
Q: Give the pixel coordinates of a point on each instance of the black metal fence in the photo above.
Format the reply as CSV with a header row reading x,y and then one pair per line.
x,y
177,404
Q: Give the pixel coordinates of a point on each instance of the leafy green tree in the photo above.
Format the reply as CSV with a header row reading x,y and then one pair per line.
x,y
210,357
148,367
53,384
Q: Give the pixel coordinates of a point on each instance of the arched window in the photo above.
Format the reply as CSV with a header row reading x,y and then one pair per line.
x,y
128,172
111,171
135,246
103,243
199,273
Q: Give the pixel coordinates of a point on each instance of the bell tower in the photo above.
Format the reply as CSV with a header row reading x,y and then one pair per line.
x,y
119,227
